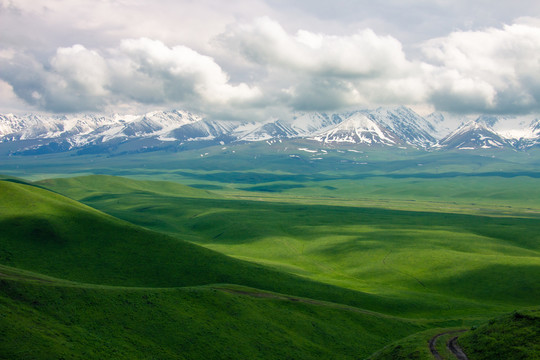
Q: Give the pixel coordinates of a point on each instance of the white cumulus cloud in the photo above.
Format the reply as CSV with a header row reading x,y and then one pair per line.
x,y
260,68
140,70
363,54
184,73
325,72
493,70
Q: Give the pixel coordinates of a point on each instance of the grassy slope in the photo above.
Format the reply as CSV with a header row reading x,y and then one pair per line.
x,y
412,347
84,322
494,191
512,337
48,233
95,185
434,264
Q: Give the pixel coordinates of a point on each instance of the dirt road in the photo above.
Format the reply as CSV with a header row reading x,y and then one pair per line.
x,y
452,346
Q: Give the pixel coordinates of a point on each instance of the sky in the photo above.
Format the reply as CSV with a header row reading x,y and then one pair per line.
x,y
260,59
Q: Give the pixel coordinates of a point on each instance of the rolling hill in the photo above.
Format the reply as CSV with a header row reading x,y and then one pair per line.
x,y
429,264
320,281
92,247
78,283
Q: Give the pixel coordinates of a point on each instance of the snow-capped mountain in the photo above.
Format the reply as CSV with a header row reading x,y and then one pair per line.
x,y
531,137
264,131
393,127
358,128
306,124
76,131
491,132
32,126
158,123
535,131
203,130
406,125
508,127
474,135
444,124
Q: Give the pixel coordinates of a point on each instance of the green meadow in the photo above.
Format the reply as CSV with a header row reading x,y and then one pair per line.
x,y
436,263
45,319
257,254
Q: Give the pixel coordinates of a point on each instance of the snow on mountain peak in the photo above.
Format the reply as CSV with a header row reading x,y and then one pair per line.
x,y
357,128
473,135
393,126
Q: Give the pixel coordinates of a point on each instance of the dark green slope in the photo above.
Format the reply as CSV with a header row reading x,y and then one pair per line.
x,y
48,321
43,318
51,234
514,336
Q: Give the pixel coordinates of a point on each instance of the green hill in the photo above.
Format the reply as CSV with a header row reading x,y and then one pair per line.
x,y
51,234
44,318
419,263
117,290
515,336
78,283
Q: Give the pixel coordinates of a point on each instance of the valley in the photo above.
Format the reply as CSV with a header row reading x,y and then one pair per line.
x,y
263,235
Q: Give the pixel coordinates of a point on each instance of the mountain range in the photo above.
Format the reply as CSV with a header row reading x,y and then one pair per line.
x,y
391,127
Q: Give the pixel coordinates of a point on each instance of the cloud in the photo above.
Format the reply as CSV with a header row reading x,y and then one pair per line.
x,y
260,68
363,54
328,72
75,79
494,70
9,101
140,70
184,74
491,71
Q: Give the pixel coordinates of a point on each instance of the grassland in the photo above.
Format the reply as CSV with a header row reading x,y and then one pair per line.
x,y
76,283
43,319
50,234
330,257
434,263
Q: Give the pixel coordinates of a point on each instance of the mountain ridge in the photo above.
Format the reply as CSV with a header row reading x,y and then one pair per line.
x,y
395,127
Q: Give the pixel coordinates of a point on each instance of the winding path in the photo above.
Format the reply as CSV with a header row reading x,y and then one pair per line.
x,y
452,346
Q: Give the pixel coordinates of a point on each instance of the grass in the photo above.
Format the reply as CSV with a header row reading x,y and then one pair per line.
x,y
328,256
86,322
146,300
487,177
412,347
434,263
513,336
147,314
50,234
